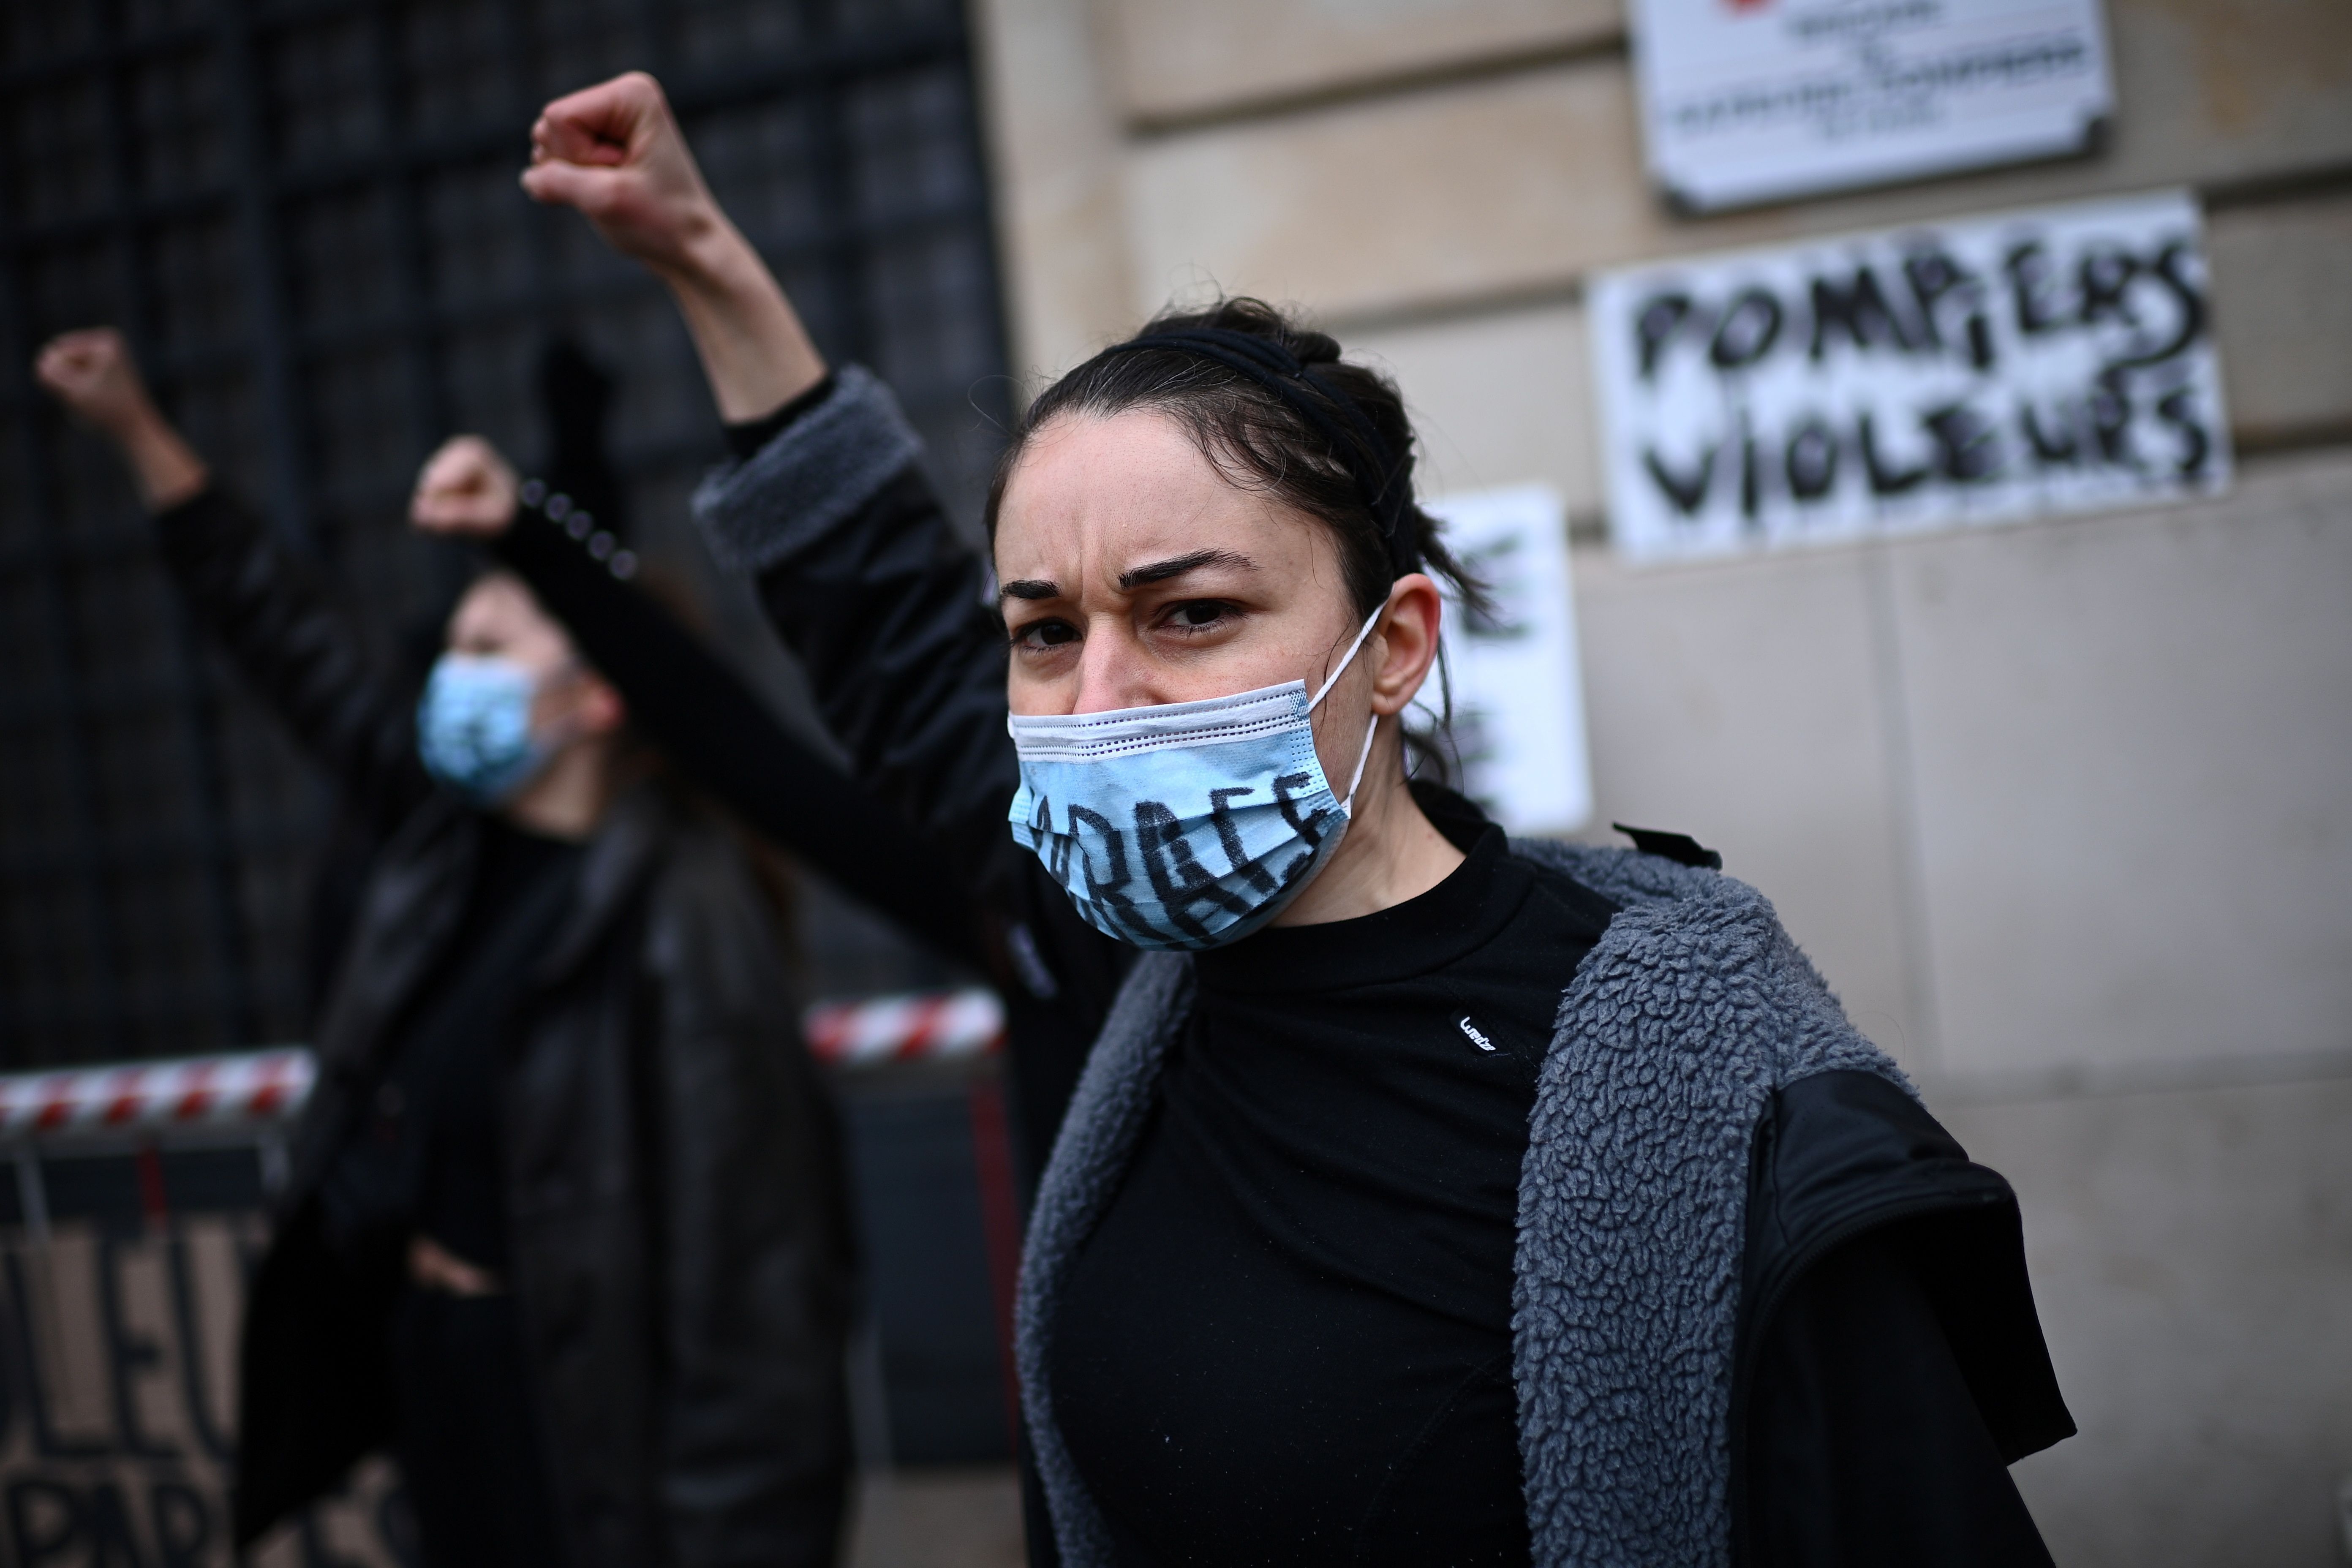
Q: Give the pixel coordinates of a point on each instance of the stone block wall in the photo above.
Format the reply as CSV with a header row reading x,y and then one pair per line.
x,y
2060,808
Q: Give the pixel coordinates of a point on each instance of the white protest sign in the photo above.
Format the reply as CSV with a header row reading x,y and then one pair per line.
x,y
1754,100
1978,371
1518,695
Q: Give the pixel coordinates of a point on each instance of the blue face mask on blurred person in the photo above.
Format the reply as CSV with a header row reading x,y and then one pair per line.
x,y
473,727
1188,825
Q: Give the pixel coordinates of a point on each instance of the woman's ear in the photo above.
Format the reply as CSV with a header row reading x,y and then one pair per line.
x,y
1408,635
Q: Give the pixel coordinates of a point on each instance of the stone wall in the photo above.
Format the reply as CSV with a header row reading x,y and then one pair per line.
x,y
2061,808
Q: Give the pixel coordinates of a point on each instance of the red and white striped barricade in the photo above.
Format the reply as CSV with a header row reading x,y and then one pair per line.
x,y
242,1092
236,1098
926,1027
251,1093
254,1097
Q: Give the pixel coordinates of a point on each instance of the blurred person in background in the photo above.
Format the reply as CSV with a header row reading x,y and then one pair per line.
x,y
575,395
714,731
565,1229
1427,1197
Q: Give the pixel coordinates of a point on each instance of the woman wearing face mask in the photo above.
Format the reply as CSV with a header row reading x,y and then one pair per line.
x,y
1427,1198
564,1229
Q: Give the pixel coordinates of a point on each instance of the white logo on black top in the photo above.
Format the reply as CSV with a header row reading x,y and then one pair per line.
x,y
1477,1039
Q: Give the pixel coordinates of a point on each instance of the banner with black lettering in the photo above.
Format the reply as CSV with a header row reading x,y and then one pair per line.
x,y
1977,370
117,1407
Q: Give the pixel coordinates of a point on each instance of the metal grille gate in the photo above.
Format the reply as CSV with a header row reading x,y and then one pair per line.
x,y
304,212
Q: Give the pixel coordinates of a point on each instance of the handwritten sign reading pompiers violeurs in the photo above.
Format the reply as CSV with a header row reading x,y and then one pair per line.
x,y
1979,371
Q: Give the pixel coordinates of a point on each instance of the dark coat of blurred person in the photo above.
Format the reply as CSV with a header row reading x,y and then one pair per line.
x,y
575,394
565,1227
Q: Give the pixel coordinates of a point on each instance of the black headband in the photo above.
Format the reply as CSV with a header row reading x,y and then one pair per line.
x,y
1370,460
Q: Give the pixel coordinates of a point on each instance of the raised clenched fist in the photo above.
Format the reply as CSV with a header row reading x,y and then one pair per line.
x,y
465,491
616,152
93,374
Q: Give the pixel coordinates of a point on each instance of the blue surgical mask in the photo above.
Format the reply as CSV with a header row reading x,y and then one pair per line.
x,y
1188,825
473,727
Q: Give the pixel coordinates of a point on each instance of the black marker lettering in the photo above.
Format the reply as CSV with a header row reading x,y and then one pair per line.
x,y
1967,452
2176,409
1110,893
1747,332
1811,460
1885,480
1310,827
2049,451
129,1357
2028,272
1932,275
2111,418
1860,310
2105,274
1176,876
44,1519
1687,494
1654,326
111,1542
1980,354
1750,482
2188,303
1221,813
181,1521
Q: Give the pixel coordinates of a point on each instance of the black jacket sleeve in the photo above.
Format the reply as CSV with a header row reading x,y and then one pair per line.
x,y
298,650
909,664
865,578
1891,1365
1870,1451
723,738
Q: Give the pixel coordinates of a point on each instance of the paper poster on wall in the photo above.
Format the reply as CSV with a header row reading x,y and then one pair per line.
x,y
1519,694
1979,371
118,1432
1756,100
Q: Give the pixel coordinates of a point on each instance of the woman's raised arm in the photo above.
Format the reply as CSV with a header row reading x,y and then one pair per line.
x,y
616,152
293,642
858,568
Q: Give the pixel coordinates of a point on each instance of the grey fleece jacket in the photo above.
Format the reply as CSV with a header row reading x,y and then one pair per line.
x,y
1693,1008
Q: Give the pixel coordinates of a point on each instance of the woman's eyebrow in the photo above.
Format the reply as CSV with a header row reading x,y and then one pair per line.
x,y
1029,588
1177,565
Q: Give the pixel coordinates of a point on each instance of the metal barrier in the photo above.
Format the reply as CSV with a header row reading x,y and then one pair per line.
x,y
240,1099
248,1095
241,1090
936,1025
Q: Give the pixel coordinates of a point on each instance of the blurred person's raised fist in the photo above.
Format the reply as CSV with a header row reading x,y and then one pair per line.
x,y
465,491
616,152
91,373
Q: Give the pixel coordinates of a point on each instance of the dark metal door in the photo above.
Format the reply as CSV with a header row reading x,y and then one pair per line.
x,y
305,213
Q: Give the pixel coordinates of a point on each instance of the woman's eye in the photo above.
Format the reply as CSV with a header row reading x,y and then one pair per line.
x,y
1045,634
1197,614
